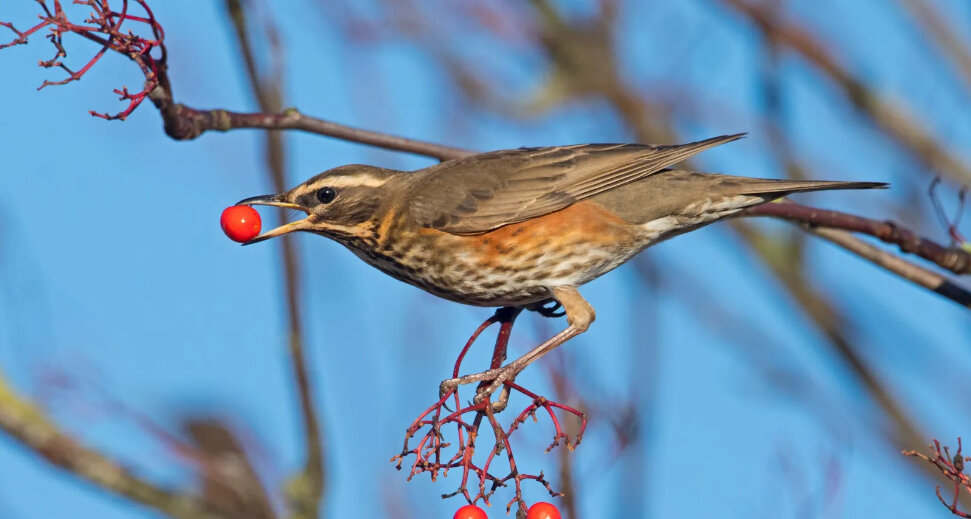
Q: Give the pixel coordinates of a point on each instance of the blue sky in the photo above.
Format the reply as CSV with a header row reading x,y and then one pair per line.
x,y
114,270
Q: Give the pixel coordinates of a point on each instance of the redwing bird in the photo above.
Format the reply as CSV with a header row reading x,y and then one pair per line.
x,y
519,227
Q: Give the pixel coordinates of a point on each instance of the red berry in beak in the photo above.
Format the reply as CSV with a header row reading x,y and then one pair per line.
x,y
240,222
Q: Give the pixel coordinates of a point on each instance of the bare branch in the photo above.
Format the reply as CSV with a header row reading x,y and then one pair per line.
x,y
185,123
905,269
106,28
955,259
950,467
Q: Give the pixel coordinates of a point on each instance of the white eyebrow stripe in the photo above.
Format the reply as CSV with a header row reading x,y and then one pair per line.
x,y
357,180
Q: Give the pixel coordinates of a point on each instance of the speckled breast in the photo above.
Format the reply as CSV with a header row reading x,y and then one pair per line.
x,y
509,266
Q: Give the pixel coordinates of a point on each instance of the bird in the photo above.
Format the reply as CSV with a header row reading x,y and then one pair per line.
x,y
523,227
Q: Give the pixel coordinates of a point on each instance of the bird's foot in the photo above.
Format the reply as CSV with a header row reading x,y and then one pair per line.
x,y
489,381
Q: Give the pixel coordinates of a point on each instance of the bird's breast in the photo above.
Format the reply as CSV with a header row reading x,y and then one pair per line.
x,y
511,265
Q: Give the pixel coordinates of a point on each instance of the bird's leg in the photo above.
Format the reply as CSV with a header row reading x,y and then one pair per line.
x,y
507,316
579,315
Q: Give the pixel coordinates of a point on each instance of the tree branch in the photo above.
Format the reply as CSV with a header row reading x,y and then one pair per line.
x,y
914,273
28,425
186,123
117,31
955,259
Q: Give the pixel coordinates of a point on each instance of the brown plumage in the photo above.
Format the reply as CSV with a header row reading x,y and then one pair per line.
x,y
486,191
518,227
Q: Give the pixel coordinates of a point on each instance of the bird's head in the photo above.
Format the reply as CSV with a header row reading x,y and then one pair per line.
x,y
339,202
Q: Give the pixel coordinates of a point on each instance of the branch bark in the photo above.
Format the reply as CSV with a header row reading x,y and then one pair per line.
x,y
916,274
955,259
185,123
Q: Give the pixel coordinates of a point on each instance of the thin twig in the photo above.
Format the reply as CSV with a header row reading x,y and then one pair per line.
x,y
181,122
905,269
951,467
955,259
430,445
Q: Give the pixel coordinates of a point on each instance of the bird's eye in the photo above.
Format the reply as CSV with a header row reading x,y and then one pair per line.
x,y
326,195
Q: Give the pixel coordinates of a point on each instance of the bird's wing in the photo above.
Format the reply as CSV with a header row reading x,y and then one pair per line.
x,y
482,192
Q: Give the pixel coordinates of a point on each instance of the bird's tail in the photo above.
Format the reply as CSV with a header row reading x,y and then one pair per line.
x,y
780,188
741,192
701,198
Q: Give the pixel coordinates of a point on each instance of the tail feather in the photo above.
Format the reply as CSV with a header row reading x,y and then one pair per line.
x,y
785,187
705,197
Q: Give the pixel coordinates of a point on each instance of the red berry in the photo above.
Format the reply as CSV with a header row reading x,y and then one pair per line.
x,y
543,510
240,222
470,512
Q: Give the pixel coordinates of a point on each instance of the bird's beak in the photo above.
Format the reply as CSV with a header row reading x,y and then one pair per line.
x,y
277,201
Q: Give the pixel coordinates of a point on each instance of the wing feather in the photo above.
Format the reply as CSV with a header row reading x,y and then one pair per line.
x,y
483,192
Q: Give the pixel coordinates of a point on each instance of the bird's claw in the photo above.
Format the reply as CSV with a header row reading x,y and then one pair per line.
x,y
547,308
489,382
488,388
447,386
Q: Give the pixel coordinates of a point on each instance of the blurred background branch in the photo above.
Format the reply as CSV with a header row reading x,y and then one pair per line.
x,y
24,421
306,490
886,116
943,34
